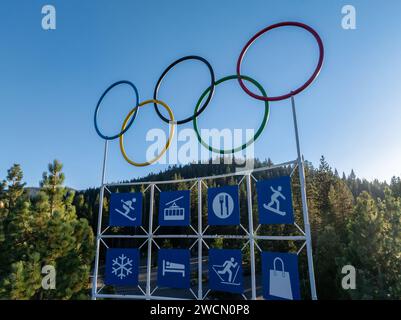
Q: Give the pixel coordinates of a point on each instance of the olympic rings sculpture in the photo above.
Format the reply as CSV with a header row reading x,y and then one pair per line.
x,y
208,93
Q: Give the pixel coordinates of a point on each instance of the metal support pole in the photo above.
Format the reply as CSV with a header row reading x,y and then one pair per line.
x,y
200,289
150,237
251,235
305,212
99,224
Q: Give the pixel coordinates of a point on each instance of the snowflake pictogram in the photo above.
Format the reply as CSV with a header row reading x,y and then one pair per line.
x,y
124,266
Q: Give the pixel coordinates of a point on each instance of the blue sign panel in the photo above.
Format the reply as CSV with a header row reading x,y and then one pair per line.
x,y
223,206
275,201
280,276
122,266
173,269
125,209
225,270
174,208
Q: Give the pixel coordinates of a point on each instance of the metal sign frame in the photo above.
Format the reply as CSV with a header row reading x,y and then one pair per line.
x,y
251,234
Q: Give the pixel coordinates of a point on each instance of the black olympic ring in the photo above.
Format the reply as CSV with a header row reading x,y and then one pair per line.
x,y
209,97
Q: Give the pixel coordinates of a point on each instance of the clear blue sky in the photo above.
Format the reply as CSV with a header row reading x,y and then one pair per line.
x,y
50,80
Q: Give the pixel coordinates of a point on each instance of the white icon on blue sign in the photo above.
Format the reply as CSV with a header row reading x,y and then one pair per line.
x,y
174,212
128,209
174,208
223,205
280,276
125,209
225,270
275,201
122,267
173,268
274,204
280,282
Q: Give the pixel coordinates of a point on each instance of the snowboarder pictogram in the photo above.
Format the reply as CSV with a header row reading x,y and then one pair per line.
x,y
124,266
274,200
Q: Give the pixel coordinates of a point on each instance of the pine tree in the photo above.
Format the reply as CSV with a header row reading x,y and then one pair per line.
x,y
364,248
323,180
341,205
15,256
47,232
51,185
390,264
3,185
331,241
2,211
336,173
395,186
15,186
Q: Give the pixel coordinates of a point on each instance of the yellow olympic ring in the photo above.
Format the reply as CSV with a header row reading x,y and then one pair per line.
x,y
172,124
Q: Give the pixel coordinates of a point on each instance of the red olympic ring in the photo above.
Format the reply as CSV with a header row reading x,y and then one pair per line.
x,y
293,92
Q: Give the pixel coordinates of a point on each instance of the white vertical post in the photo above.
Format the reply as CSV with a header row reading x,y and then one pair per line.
x,y
99,224
251,235
150,240
200,289
304,206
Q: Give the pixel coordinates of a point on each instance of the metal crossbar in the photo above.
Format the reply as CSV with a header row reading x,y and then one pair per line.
x,y
225,175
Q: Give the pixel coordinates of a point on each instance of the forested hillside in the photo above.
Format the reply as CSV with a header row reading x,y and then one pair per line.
x,y
353,221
